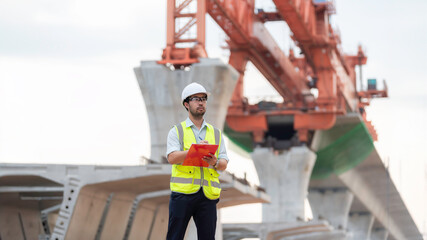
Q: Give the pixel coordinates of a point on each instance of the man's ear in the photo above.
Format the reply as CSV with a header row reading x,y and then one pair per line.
x,y
186,105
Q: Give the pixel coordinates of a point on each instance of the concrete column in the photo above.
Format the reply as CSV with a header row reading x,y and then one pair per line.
x,y
285,177
360,224
332,205
379,234
161,89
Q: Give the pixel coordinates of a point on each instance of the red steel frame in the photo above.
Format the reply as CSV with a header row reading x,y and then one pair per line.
x,y
249,40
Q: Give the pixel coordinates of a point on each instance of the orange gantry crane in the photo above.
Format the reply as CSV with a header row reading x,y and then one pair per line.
x,y
322,66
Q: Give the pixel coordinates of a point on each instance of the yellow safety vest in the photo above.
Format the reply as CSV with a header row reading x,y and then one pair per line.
x,y
189,179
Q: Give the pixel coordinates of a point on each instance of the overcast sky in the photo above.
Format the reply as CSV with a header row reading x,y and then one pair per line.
x,y
68,93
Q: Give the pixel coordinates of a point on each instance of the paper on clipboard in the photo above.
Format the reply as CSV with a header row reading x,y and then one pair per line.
x,y
197,152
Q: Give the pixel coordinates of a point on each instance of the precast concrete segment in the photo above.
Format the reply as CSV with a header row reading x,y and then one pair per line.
x,y
155,198
20,220
161,89
324,235
98,200
21,204
360,224
117,216
143,220
379,234
47,218
159,226
241,230
276,230
332,205
298,231
85,199
285,177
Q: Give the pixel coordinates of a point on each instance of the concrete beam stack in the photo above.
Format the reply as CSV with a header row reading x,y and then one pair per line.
x,y
98,202
279,230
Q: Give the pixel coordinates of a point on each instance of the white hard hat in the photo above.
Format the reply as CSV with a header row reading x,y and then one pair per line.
x,y
191,89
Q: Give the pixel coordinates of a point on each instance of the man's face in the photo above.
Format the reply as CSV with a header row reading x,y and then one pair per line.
x,y
196,105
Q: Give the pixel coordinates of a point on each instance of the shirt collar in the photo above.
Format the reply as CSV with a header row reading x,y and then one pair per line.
x,y
190,123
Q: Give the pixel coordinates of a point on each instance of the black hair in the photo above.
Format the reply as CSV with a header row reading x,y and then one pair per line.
x,y
187,100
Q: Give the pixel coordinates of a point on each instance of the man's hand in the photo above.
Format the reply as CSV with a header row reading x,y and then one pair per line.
x,y
203,142
211,159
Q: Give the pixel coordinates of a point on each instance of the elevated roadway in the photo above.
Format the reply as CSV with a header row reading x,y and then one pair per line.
x,y
369,181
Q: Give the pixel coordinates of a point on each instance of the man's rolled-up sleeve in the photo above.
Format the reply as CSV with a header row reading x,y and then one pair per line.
x,y
222,151
172,142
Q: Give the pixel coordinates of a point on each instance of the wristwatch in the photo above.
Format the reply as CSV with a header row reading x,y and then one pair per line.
x,y
216,164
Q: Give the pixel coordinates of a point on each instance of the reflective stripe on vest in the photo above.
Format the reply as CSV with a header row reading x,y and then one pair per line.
x,y
196,181
188,179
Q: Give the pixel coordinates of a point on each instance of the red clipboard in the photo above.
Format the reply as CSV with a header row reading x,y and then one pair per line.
x,y
197,152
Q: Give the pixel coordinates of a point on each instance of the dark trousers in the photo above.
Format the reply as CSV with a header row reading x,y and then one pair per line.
x,y
184,206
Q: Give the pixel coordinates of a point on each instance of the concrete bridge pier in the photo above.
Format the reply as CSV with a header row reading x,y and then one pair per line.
x,y
360,224
332,204
285,176
379,234
162,87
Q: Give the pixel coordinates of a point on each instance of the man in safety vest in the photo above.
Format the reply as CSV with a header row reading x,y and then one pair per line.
x,y
195,190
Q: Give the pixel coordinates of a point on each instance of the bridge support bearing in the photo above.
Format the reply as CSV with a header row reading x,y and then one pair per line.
x,y
332,205
285,176
360,224
161,89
